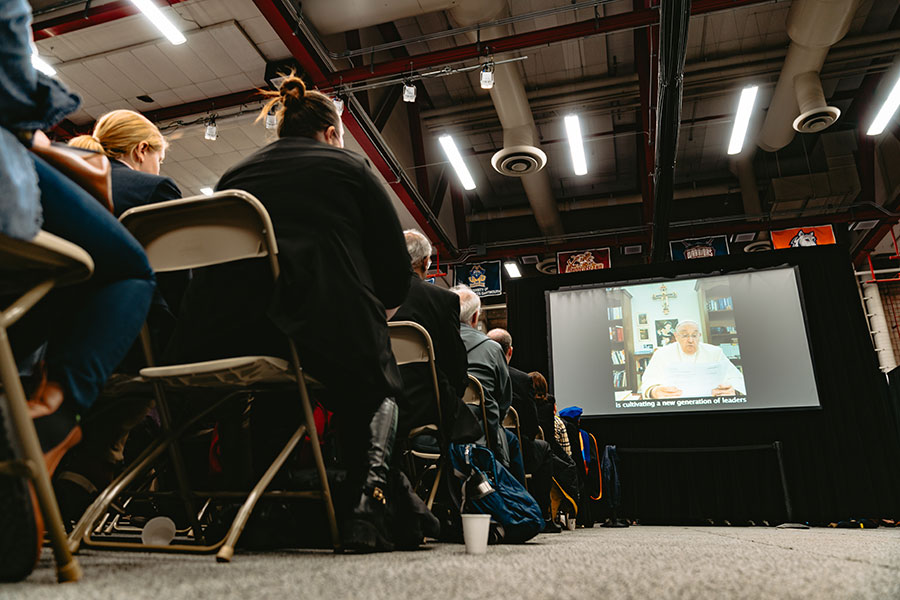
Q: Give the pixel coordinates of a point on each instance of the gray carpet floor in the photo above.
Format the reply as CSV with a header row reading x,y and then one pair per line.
x,y
639,562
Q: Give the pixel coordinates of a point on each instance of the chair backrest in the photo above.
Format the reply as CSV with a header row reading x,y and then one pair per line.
x,y
511,420
200,231
474,396
540,433
410,344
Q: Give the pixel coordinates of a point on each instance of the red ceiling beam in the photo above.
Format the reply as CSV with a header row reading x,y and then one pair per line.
x,y
83,19
620,22
203,106
272,11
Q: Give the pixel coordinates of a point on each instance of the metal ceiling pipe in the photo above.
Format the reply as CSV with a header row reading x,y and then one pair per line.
x,y
521,155
603,202
674,20
813,26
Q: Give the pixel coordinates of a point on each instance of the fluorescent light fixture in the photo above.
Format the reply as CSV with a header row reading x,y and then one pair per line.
x,y
512,269
742,119
159,20
41,65
409,92
886,111
576,146
206,191
487,76
456,162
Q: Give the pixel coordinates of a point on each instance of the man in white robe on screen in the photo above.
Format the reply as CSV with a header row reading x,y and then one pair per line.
x,y
690,368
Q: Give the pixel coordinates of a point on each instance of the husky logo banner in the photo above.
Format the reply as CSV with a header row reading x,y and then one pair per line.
x,y
802,237
716,245
582,260
484,277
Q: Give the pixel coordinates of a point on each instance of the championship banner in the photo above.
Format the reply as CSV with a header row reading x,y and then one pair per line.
x,y
582,260
484,277
801,237
707,247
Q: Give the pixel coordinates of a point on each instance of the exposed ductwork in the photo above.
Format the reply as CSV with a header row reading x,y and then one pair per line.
x,y
798,103
521,155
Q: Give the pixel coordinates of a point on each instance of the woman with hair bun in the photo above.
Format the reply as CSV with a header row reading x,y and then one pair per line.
x,y
136,150
344,270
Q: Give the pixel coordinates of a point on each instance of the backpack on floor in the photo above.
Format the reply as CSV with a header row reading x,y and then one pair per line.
x,y
482,485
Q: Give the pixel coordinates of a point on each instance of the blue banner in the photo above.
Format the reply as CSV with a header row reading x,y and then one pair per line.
x,y
484,277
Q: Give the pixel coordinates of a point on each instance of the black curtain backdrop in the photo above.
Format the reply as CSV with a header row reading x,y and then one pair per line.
x,y
841,461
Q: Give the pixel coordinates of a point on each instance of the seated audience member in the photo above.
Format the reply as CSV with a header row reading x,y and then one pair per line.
x,y
437,310
344,271
488,365
136,150
87,327
536,453
565,491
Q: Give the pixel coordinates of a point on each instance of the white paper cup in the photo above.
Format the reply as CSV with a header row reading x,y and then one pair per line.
x,y
475,532
570,523
158,531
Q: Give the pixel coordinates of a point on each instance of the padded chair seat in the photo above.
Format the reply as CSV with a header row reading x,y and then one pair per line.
x,y
241,371
24,263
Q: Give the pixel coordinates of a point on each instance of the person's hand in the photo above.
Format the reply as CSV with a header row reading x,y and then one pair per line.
x,y
665,391
723,390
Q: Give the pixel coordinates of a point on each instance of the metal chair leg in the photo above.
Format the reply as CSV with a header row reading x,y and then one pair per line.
x,y
237,526
434,487
67,567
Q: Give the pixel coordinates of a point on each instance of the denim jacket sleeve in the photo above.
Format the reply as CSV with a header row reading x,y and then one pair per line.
x,y
28,100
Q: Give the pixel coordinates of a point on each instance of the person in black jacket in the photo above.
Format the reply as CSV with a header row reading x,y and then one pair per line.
x,y
344,271
437,310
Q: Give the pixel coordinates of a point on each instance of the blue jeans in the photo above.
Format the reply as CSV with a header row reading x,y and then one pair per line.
x,y
88,327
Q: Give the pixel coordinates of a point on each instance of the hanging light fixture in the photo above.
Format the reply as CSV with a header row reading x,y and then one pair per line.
x,y
212,132
487,76
271,120
409,92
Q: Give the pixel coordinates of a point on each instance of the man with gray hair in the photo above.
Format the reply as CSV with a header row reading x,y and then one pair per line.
x,y
437,310
488,365
688,358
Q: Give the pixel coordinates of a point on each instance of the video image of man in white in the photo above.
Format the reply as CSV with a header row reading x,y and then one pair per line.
x,y
688,350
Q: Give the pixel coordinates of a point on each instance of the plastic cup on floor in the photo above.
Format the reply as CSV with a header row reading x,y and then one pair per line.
x,y
475,532
158,531
570,523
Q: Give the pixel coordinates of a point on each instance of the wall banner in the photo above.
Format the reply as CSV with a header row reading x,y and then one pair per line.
x,y
582,260
483,277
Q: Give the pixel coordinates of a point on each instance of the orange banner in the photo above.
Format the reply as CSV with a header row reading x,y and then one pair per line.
x,y
801,237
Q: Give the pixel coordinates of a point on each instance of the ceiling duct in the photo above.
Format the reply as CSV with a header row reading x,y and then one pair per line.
x,y
798,102
521,155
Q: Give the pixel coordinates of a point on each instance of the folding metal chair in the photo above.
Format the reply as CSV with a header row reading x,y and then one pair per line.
x,y
192,233
474,396
511,422
411,343
31,269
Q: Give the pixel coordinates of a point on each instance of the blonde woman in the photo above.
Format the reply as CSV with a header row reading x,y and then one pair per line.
x,y
136,149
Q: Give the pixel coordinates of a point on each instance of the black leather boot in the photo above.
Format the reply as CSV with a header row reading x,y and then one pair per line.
x,y
367,530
